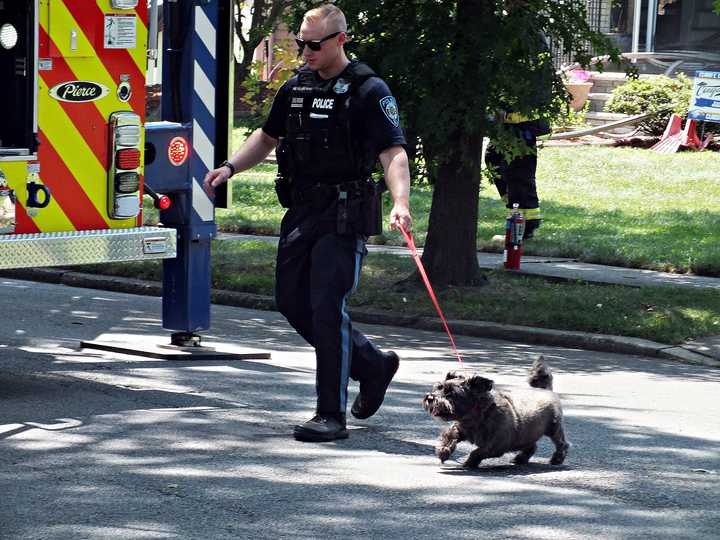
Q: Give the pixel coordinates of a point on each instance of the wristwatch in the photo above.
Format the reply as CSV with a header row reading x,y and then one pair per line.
x,y
230,166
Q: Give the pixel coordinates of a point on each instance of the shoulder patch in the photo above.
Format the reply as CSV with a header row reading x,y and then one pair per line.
x,y
389,107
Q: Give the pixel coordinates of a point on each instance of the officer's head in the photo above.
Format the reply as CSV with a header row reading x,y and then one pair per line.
x,y
322,37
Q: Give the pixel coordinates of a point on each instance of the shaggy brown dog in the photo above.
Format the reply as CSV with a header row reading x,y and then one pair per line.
x,y
498,421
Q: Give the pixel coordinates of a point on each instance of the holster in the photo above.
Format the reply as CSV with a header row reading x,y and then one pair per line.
x,y
283,189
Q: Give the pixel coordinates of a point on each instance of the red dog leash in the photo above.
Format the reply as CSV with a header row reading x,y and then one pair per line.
x,y
421,269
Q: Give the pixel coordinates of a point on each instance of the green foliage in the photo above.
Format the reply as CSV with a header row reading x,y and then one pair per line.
x,y
252,26
452,66
569,118
258,93
449,77
254,96
716,6
510,144
650,95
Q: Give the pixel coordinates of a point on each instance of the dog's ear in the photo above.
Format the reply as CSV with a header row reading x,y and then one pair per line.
x,y
480,384
454,375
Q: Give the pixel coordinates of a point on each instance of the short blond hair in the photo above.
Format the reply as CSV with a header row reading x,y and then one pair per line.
x,y
329,14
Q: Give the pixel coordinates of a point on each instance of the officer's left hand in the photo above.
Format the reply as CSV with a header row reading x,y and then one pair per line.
x,y
400,216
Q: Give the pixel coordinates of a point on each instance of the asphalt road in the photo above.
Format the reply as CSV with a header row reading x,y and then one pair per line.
x,y
102,445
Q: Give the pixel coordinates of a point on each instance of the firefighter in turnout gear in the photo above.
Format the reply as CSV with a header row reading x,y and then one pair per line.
x,y
515,180
329,125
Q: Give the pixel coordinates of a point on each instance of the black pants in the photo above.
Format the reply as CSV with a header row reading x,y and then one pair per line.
x,y
317,270
516,179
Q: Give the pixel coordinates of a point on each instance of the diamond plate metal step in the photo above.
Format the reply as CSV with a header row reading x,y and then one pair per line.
x,y
86,247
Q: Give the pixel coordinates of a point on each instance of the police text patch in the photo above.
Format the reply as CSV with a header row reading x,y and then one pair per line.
x,y
319,103
389,107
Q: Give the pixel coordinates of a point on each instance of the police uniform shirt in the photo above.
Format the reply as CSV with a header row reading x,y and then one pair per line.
x,y
373,112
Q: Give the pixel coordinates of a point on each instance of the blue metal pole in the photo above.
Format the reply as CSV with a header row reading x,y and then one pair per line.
x,y
189,97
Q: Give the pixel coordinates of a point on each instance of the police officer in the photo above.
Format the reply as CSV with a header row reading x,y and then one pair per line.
x,y
330,123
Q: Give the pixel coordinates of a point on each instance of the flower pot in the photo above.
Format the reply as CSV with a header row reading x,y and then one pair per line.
x,y
579,92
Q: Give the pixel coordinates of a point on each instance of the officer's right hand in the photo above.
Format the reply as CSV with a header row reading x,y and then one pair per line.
x,y
214,178
400,217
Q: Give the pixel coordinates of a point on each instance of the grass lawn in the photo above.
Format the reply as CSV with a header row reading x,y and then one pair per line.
x,y
617,206
631,207
666,315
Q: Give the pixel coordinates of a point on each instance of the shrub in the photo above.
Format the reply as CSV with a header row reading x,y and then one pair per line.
x,y
570,119
649,95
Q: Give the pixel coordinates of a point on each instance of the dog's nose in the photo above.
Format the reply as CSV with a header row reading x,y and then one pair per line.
x,y
429,398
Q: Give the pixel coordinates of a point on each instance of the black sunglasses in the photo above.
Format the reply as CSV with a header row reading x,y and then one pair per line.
x,y
316,44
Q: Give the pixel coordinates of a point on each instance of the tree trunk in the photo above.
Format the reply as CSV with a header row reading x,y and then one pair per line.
x,y
450,254
243,68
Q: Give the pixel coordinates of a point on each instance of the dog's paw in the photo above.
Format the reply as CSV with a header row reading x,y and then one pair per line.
x,y
443,453
558,457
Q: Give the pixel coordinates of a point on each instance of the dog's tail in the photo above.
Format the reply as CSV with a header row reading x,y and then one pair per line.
x,y
540,375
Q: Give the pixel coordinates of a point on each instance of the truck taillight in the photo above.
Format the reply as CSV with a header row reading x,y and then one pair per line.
x,y
127,182
178,151
127,158
124,170
127,136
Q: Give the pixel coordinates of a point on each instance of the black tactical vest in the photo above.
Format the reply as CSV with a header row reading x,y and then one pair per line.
x,y
319,136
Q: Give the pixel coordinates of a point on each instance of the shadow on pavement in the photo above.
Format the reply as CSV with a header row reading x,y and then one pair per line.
x,y
100,446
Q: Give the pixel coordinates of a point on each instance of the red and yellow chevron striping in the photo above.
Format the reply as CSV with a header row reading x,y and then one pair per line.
x,y
88,53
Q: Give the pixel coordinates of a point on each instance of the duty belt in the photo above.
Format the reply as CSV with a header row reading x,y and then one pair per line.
x,y
321,194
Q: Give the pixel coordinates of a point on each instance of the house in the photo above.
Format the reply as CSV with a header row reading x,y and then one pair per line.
x,y
659,36
665,25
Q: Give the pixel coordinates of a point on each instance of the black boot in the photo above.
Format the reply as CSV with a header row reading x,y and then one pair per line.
x,y
322,427
372,392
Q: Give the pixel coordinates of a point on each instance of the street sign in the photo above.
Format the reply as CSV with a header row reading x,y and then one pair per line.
x,y
705,99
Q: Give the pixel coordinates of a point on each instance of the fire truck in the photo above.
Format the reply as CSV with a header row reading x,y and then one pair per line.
x,y
77,155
